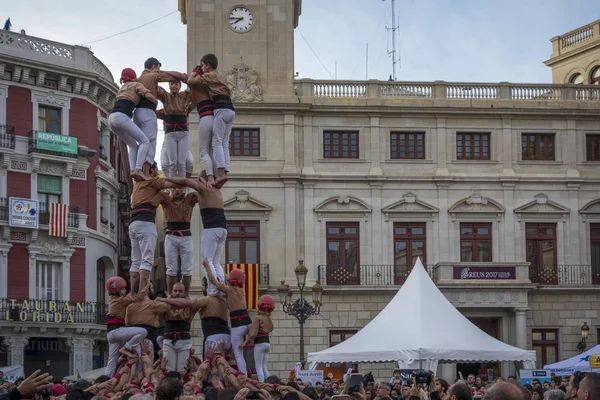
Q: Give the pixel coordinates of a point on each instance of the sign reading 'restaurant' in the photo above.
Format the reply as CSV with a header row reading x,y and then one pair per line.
x,y
485,272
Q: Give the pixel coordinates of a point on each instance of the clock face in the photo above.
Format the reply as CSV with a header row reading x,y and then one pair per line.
x,y
240,19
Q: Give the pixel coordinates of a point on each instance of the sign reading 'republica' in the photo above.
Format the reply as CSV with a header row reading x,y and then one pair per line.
x,y
485,272
56,143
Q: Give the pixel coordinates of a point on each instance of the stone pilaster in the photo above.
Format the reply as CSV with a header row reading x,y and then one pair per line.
x,y
16,349
521,328
82,354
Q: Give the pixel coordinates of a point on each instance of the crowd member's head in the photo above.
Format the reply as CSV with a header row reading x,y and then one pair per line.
x,y
504,391
226,394
441,385
209,62
589,387
546,385
573,385
76,394
536,383
290,396
537,393
555,394
101,378
174,374
335,385
169,389
273,380
275,395
383,389
470,379
152,64
369,393
64,382
327,394
327,381
310,392
478,381
459,391
319,385
211,394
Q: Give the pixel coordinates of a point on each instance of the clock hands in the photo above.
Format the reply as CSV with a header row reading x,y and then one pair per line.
x,y
236,20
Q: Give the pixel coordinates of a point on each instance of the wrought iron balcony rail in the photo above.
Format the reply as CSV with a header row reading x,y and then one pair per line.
x,y
16,311
7,136
3,209
72,215
565,275
368,275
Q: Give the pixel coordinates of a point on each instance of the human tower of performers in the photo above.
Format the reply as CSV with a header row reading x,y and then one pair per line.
x,y
137,355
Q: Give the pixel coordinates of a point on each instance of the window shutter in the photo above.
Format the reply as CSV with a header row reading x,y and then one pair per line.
x,y
50,184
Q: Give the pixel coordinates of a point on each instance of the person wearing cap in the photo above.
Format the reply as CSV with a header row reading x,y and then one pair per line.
x,y
238,310
129,97
121,338
178,208
177,105
145,199
261,327
220,95
144,115
214,233
204,105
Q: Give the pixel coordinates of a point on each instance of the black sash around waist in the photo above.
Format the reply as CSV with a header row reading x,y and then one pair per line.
x,y
222,101
239,318
124,106
261,338
179,229
175,123
214,326
205,107
143,212
114,323
145,103
150,330
177,330
213,218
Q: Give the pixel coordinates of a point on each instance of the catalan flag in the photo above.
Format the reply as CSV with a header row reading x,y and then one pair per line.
x,y
251,284
58,219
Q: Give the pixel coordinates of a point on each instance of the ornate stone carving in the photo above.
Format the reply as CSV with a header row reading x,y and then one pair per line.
x,y
78,241
50,98
18,165
16,348
51,169
542,205
346,205
410,205
242,202
52,249
18,236
243,82
78,173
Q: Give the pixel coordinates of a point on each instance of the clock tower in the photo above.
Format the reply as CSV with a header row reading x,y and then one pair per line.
x,y
253,40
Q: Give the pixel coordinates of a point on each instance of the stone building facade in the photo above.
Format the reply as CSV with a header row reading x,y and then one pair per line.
x,y
56,149
493,185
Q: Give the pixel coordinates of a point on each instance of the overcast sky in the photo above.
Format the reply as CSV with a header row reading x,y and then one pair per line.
x,y
452,40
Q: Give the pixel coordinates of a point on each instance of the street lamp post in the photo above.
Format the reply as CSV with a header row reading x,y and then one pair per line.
x,y
585,331
301,309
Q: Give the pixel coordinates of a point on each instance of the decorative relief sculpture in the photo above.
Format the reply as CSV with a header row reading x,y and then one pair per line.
x,y
243,82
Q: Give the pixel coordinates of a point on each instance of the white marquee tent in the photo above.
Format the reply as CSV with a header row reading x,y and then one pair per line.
x,y
418,329
580,362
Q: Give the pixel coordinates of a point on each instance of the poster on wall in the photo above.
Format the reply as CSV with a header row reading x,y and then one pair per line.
x,y
529,375
23,213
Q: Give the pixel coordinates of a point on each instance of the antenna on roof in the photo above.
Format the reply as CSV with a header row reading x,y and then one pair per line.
x,y
394,30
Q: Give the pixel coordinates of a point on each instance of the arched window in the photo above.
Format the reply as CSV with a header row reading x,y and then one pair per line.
x,y
595,77
576,79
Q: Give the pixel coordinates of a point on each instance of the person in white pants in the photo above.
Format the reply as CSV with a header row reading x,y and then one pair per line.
x,y
238,310
119,121
164,158
177,339
178,209
214,233
121,338
261,327
204,105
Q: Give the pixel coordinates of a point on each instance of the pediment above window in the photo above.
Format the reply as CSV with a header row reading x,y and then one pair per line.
x,y
476,204
242,204
343,205
409,205
542,205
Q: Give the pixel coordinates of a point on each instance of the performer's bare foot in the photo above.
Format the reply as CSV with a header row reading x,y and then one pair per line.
x,y
211,180
139,175
128,353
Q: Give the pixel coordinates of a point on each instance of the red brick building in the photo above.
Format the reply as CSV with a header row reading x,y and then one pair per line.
x,y
58,158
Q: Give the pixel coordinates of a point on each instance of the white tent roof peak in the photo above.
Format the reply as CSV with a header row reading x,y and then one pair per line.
x,y
431,328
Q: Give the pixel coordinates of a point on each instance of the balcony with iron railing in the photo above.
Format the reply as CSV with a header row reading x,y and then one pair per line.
x,y
15,311
72,215
565,275
441,93
3,209
7,137
365,275
34,146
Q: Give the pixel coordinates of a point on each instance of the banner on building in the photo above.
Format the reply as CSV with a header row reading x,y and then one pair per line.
x,y
23,213
251,284
58,219
529,375
56,143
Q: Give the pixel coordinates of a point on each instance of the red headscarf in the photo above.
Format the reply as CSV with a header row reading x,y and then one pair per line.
x,y
128,75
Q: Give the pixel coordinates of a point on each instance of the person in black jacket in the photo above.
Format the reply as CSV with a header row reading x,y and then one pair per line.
x,y
33,384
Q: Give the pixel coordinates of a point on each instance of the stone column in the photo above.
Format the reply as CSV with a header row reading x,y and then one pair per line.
x,y
375,150
289,143
4,249
98,203
106,205
81,355
16,349
521,328
113,211
291,259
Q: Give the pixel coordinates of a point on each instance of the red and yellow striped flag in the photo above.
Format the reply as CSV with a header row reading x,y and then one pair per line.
x,y
58,220
251,284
